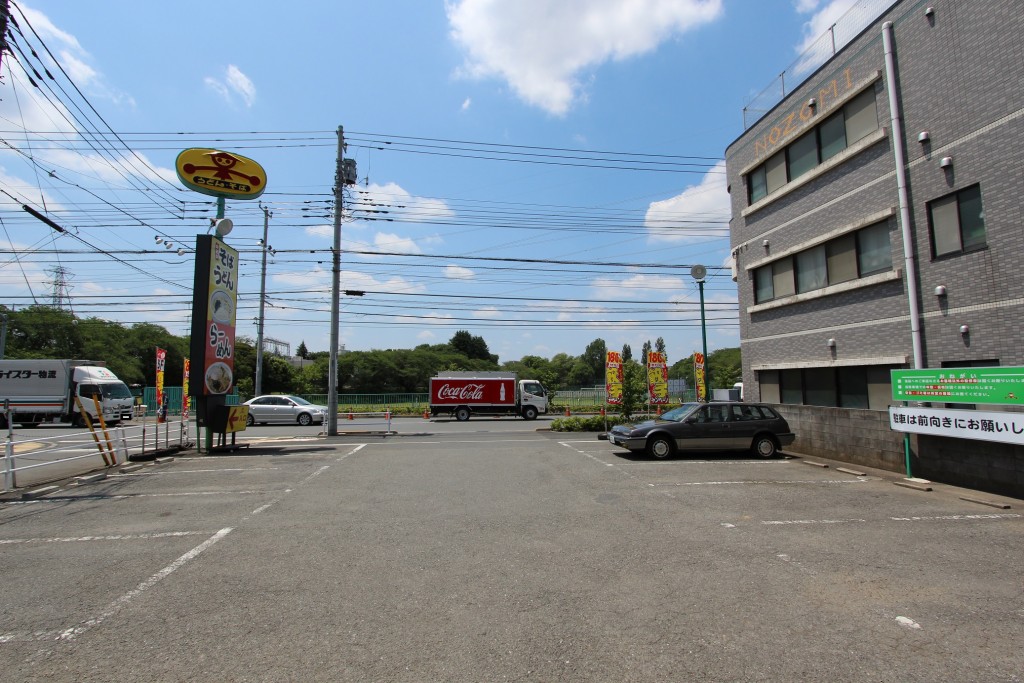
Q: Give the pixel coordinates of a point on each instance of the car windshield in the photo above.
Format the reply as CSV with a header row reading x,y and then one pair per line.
x,y
680,413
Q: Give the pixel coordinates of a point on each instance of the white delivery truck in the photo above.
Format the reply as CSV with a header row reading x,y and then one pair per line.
x,y
42,390
486,393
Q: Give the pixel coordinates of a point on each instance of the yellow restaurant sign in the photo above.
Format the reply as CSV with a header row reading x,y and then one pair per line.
x,y
220,174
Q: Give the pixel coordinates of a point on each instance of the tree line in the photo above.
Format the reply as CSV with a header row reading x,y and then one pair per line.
x,y
129,351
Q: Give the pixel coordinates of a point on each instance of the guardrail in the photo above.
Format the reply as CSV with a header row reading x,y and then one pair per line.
x,y
378,420
31,461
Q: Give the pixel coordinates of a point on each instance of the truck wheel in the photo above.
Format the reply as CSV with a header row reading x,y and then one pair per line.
x,y
462,414
529,413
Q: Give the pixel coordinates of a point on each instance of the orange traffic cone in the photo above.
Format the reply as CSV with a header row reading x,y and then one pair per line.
x,y
426,414
567,413
602,411
350,416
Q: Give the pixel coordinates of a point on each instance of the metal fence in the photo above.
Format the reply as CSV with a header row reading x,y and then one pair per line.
x,y
37,460
824,47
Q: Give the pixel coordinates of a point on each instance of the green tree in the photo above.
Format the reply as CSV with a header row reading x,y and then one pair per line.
x,y
302,351
594,358
471,346
634,387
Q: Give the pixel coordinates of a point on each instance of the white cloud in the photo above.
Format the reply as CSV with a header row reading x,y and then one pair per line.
x,y
384,241
467,103
458,273
637,287
849,18
699,211
397,204
542,47
487,312
233,83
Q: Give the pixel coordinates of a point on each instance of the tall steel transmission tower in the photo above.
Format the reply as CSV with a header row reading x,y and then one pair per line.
x,y
61,300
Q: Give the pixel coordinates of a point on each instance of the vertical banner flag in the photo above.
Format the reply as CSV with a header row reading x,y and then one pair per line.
x,y
657,378
698,376
613,378
161,363
184,390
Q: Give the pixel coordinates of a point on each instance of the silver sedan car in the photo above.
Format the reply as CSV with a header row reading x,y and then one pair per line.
x,y
284,410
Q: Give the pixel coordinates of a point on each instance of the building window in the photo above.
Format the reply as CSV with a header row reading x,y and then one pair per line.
x,y
855,386
851,256
810,269
957,222
874,250
857,119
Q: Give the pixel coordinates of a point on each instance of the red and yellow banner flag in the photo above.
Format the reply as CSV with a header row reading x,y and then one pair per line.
x,y
184,390
657,378
698,376
613,378
161,364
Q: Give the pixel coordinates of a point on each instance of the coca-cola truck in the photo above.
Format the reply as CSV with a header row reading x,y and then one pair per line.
x,y
463,394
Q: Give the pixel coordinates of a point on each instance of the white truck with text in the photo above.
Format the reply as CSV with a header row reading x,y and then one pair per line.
x,y
42,390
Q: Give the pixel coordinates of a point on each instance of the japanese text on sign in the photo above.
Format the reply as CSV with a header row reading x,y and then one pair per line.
x,y
997,386
961,424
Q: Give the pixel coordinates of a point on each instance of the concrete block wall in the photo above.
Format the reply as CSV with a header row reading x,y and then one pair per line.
x,y
863,437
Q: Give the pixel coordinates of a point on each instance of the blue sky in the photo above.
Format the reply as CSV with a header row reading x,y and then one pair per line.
x,y
520,148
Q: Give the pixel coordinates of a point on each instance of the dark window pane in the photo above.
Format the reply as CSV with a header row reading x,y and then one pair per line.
x,y
792,386
820,387
763,290
810,269
803,155
842,259
832,134
758,184
972,218
861,117
874,252
853,387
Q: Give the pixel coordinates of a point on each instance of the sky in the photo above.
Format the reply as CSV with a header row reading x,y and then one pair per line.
x,y
541,173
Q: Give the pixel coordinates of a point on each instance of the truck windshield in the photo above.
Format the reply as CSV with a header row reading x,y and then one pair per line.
x,y
533,388
115,390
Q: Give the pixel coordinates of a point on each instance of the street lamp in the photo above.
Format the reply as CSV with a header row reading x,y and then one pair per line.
x,y
698,273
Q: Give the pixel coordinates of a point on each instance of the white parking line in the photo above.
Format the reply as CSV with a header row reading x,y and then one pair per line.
x,y
111,537
121,602
760,482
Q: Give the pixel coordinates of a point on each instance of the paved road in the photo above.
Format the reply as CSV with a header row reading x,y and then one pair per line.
x,y
486,554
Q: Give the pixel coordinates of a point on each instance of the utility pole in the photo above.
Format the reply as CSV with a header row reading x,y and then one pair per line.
x,y
5,13
263,300
332,372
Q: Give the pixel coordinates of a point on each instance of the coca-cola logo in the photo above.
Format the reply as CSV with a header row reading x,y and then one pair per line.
x,y
464,392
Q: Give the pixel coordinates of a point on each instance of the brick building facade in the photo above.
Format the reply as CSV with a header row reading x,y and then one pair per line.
x,y
847,269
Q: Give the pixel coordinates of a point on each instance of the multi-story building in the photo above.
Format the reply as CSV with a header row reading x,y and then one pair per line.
x,y
877,225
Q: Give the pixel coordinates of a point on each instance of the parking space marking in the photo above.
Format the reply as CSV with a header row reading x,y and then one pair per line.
x,y
109,537
166,472
930,518
762,482
114,607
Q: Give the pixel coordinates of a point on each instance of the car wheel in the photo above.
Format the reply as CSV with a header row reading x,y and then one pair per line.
x,y
462,414
529,413
764,446
661,447
305,419
250,420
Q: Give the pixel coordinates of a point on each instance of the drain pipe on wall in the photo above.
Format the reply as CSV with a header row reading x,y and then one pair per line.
x,y
909,261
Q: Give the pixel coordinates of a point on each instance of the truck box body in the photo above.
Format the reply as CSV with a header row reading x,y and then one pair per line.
x,y
44,390
489,393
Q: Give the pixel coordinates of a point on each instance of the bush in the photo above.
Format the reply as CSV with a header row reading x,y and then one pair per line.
x,y
595,423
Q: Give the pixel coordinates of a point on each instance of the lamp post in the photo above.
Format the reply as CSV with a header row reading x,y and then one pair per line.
x,y
698,273
263,300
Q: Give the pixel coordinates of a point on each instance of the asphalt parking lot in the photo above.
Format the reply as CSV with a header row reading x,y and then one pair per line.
x,y
492,554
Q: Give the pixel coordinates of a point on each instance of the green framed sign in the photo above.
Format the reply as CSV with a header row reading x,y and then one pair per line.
x,y
997,386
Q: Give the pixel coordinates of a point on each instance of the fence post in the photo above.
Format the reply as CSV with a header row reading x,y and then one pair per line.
x,y
124,447
9,480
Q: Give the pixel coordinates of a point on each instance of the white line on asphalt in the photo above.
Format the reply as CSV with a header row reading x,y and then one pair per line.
x,y
783,522
765,481
166,472
407,442
958,518
121,602
110,537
